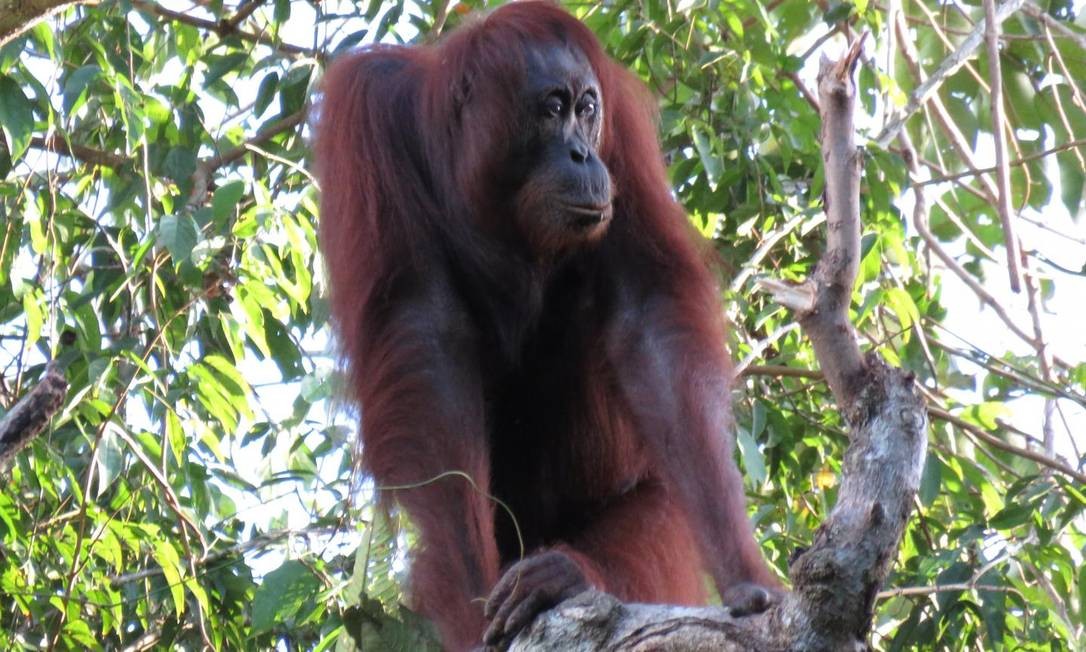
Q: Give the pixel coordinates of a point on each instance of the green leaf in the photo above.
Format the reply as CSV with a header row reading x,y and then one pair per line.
x,y
199,593
265,93
250,316
753,460
1082,593
735,24
16,117
284,350
10,52
1072,181
704,144
372,626
180,164
282,594
110,459
229,373
76,86
988,413
316,387
1011,516
221,65
903,307
282,11
170,563
43,34
175,436
214,396
994,610
5,167
178,234
837,12
930,480
225,200
34,317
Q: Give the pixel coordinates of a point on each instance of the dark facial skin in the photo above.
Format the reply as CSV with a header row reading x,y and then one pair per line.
x,y
565,198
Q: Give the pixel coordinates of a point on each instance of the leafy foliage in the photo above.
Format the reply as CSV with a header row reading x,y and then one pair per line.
x,y
158,240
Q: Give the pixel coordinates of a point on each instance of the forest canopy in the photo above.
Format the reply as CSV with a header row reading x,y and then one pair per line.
x,y
158,242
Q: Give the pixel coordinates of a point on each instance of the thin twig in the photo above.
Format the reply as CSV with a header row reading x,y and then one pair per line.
x,y
920,222
1036,12
766,245
803,90
957,139
999,138
948,67
996,442
56,144
1000,367
245,10
440,17
1071,144
941,31
201,178
1040,344
943,588
259,541
224,28
171,499
780,371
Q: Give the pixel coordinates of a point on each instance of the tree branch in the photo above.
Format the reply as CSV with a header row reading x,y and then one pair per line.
x,y
781,371
58,145
225,28
999,137
1037,12
201,178
822,301
947,68
30,414
17,16
836,581
996,442
1063,147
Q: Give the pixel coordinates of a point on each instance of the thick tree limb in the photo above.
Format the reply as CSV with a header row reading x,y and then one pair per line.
x,y
30,414
837,580
17,16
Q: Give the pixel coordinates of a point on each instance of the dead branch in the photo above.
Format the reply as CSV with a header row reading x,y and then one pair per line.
x,y
837,580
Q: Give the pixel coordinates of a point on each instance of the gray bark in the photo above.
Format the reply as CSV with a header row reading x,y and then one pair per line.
x,y
834,582
30,414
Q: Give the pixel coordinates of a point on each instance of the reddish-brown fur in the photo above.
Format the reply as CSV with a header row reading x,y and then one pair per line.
x,y
589,393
